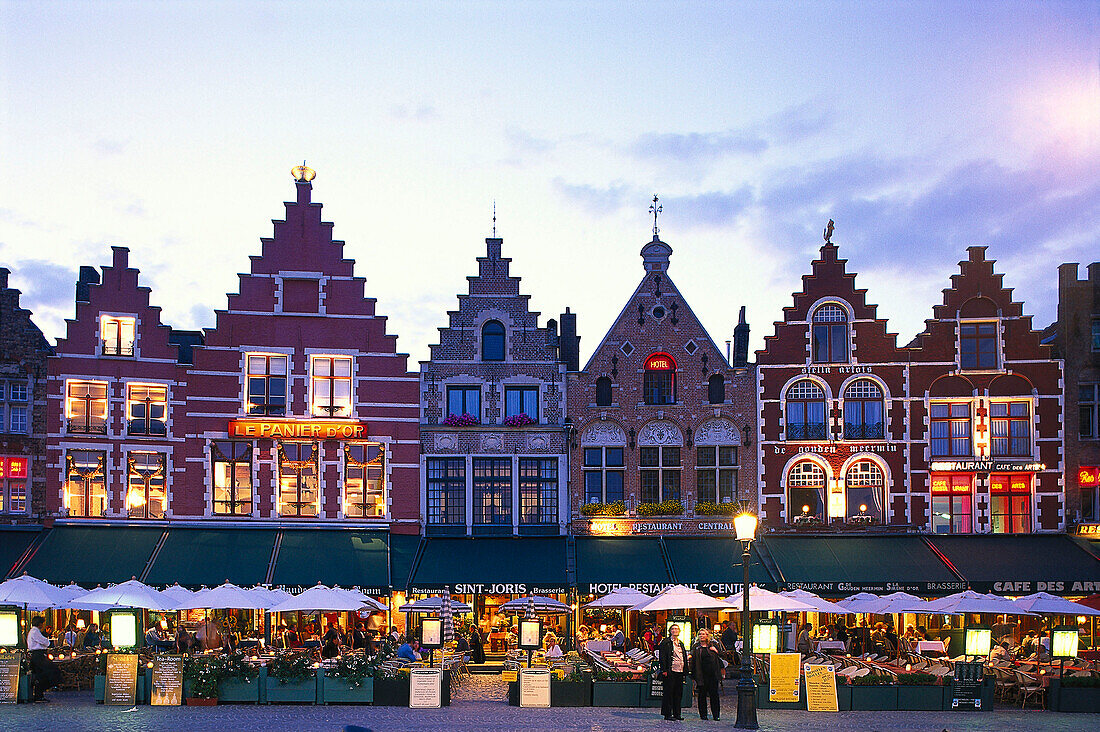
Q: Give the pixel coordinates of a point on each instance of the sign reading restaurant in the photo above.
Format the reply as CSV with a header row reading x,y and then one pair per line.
x,y
317,429
624,526
986,466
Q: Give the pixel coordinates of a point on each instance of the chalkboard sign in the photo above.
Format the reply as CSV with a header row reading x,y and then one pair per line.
x,y
966,686
9,678
167,688
121,679
656,684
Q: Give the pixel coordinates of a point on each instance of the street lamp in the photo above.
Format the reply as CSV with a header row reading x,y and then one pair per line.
x,y
745,526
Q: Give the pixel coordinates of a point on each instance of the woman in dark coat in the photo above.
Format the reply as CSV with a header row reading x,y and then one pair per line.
x,y
706,670
477,646
673,662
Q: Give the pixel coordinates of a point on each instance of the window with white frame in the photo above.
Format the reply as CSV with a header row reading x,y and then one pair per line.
x,y
805,411
116,335
1011,428
446,491
86,483
659,472
231,463
949,423
978,346
603,474
14,475
266,384
864,488
330,386
830,334
146,494
863,411
716,474
299,494
364,480
806,491
146,409
538,491
86,406
15,406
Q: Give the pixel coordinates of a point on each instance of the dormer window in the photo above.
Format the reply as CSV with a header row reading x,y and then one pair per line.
x,y
492,341
978,346
116,335
830,334
659,379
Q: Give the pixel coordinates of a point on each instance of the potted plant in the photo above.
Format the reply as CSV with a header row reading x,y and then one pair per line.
x,y
710,508
874,693
291,677
574,690
201,676
671,507
460,420
612,508
919,692
616,689
1074,694
350,681
238,682
391,687
518,420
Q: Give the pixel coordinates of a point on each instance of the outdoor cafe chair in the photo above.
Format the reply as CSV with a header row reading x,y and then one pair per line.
x,y
1029,687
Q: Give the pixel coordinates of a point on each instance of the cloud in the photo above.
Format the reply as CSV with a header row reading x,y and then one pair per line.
x,y
45,283
525,142
596,200
713,208
9,216
800,122
694,146
418,112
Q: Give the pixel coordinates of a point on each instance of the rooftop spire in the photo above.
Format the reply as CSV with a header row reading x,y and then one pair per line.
x,y
494,218
655,209
302,174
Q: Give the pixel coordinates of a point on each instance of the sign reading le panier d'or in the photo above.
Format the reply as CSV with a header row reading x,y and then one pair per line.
x,y
317,429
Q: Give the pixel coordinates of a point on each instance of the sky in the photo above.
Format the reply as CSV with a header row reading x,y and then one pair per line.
x,y
921,128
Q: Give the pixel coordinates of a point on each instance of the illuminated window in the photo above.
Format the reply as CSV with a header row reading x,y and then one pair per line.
x,y
464,400
86,483
716,474
146,409
950,428
952,504
806,489
538,491
659,379
863,411
492,341
1010,501
13,484
521,400
978,345
86,406
364,481
805,410
659,473
298,494
330,385
447,491
864,486
830,334
266,385
232,471
116,335
1011,429
603,474
146,496
492,491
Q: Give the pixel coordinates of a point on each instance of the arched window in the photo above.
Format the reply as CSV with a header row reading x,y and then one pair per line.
x,y
659,379
603,392
863,411
806,490
492,341
805,411
864,484
830,334
716,389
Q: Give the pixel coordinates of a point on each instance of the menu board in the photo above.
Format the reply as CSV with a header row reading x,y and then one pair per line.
x,y
966,686
783,685
167,688
656,684
534,687
9,678
530,634
507,676
431,632
121,679
425,688
820,688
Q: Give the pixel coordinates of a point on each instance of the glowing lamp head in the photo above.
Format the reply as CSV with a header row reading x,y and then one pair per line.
x,y
80,623
805,509
302,174
745,526
863,508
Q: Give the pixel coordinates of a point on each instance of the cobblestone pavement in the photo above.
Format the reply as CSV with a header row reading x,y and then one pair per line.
x,y
479,705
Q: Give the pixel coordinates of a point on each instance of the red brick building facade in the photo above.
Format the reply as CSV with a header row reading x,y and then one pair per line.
x,y
660,416
957,432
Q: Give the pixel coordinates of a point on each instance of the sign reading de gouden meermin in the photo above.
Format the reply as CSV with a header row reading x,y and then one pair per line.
x,y
297,428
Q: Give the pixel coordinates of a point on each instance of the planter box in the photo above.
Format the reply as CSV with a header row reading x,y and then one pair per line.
x,y
843,697
618,693
236,691
391,692
570,693
339,691
292,692
1073,698
874,698
920,697
763,697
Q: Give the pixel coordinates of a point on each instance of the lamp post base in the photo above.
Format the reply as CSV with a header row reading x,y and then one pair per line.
x,y
746,704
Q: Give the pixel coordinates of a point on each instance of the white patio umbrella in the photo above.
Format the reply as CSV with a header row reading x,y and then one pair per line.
x,y
128,594
543,605
224,597
447,618
819,604
858,602
897,602
31,593
269,596
621,599
178,593
73,590
761,600
974,602
331,599
434,604
679,597
1043,603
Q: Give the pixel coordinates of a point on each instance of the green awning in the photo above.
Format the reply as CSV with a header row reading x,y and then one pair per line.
x,y
604,563
713,565
837,566
403,548
196,557
1019,564
494,566
349,558
93,555
13,544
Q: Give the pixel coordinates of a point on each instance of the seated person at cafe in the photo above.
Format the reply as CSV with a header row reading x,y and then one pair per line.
x,y
409,650
152,635
334,634
461,644
891,636
880,641
553,650
92,639
1000,651
805,639
618,639
331,648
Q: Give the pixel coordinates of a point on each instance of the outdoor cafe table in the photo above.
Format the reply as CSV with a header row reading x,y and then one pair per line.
x,y
830,645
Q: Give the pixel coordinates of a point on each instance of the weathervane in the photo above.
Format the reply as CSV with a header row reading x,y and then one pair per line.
x,y
494,218
828,233
302,173
655,209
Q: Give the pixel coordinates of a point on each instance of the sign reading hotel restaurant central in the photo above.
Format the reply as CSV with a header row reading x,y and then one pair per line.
x,y
321,429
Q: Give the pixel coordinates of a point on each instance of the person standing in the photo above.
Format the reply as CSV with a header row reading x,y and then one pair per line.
x,y
672,659
46,673
477,646
706,670
618,640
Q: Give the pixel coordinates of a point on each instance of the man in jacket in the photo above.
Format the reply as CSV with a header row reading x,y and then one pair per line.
x,y
672,662
706,670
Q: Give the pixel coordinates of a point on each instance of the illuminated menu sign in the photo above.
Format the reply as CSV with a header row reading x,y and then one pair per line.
x,y
13,467
297,429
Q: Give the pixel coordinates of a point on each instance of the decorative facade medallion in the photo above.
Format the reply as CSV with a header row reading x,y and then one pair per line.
x,y
660,432
603,433
717,432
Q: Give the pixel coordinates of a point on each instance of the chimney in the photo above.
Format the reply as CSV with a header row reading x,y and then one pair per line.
x,y
1094,272
741,341
87,277
569,349
4,271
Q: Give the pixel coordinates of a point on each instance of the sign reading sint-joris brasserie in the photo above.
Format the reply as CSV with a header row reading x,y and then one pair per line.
x,y
316,429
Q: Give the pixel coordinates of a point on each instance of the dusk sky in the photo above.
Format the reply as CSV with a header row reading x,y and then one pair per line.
x,y
921,128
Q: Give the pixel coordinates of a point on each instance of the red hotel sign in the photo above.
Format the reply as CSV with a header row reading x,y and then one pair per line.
x,y
297,429
1088,476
